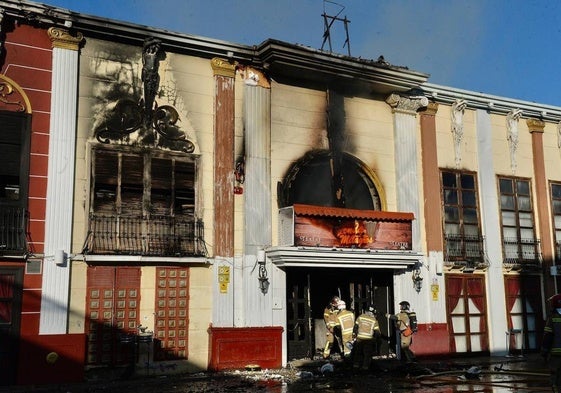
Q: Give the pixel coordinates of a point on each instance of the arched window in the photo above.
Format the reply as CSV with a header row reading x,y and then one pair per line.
x,y
309,181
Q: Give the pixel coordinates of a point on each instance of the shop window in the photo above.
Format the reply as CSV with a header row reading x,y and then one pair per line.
x,y
520,246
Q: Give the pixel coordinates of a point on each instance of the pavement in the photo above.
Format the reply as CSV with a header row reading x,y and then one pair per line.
x,y
519,374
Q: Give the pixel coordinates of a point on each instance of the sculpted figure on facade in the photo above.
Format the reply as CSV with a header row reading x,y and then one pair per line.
x,y
151,56
458,108
559,135
512,118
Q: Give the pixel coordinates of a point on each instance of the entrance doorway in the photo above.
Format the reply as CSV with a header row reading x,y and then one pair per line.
x,y
112,309
309,290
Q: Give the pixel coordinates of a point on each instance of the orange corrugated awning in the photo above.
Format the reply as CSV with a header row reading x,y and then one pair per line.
x,y
341,212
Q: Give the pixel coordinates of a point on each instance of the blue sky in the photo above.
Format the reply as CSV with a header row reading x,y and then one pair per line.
x,y
509,48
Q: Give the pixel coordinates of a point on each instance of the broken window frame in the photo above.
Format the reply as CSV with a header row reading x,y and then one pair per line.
x,y
123,192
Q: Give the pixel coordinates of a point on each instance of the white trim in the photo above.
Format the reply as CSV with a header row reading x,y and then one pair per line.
x,y
144,258
342,258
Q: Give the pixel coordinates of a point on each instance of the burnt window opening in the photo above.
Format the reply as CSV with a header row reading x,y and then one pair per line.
x,y
143,184
143,202
310,182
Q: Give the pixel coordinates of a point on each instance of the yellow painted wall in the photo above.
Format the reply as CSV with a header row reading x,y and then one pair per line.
x,y
102,65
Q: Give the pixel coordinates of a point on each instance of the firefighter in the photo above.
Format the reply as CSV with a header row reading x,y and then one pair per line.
x,y
551,343
366,330
402,324
331,323
346,320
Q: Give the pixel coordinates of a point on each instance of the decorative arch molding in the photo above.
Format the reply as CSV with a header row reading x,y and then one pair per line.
x,y
315,164
12,96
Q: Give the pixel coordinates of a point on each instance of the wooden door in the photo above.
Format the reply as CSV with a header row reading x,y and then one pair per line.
x,y
112,307
11,282
299,322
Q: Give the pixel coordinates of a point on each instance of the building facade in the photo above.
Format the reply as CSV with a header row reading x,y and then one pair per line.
x,y
179,203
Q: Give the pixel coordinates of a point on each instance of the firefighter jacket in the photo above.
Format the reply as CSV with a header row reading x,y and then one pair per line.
x,y
366,327
346,319
330,317
551,343
402,322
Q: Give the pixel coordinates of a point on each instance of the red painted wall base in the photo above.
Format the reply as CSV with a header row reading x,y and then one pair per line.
x,y
235,348
431,339
49,359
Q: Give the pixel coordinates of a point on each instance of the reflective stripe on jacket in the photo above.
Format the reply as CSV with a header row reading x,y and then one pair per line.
x,y
347,321
552,335
330,317
366,326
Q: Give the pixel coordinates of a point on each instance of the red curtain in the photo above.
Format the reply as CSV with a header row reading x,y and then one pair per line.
x,y
475,294
454,287
512,293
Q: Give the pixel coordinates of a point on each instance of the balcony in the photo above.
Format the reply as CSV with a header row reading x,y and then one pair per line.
x,y
163,236
13,230
460,247
522,253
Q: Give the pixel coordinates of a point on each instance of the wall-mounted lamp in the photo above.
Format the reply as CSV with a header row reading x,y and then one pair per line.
x,y
262,277
417,280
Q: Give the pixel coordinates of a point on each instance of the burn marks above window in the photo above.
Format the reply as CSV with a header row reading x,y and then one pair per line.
x,y
310,182
156,125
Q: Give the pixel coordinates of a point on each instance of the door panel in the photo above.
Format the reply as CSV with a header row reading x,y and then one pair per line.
x,y
299,324
112,303
11,281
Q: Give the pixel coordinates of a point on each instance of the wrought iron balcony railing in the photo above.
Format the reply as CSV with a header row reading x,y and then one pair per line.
x,y
13,230
521,252
464,248
153,236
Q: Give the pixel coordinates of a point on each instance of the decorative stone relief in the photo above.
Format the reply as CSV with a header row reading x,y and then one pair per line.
x,y
458,109
254,77
61,38
406,104
12,96
512,118
559,136
155,125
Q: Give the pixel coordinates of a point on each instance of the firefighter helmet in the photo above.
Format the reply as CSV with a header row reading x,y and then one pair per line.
x,y
404,305
555,301
335,301
342,305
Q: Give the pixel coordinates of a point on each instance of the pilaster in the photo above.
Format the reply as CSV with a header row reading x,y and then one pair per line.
x,y
536,128
224,75
60,182
406,156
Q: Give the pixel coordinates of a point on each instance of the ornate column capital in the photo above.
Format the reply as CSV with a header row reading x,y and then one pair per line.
x,y
535,125
430,109
406,104
223,67
63,39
